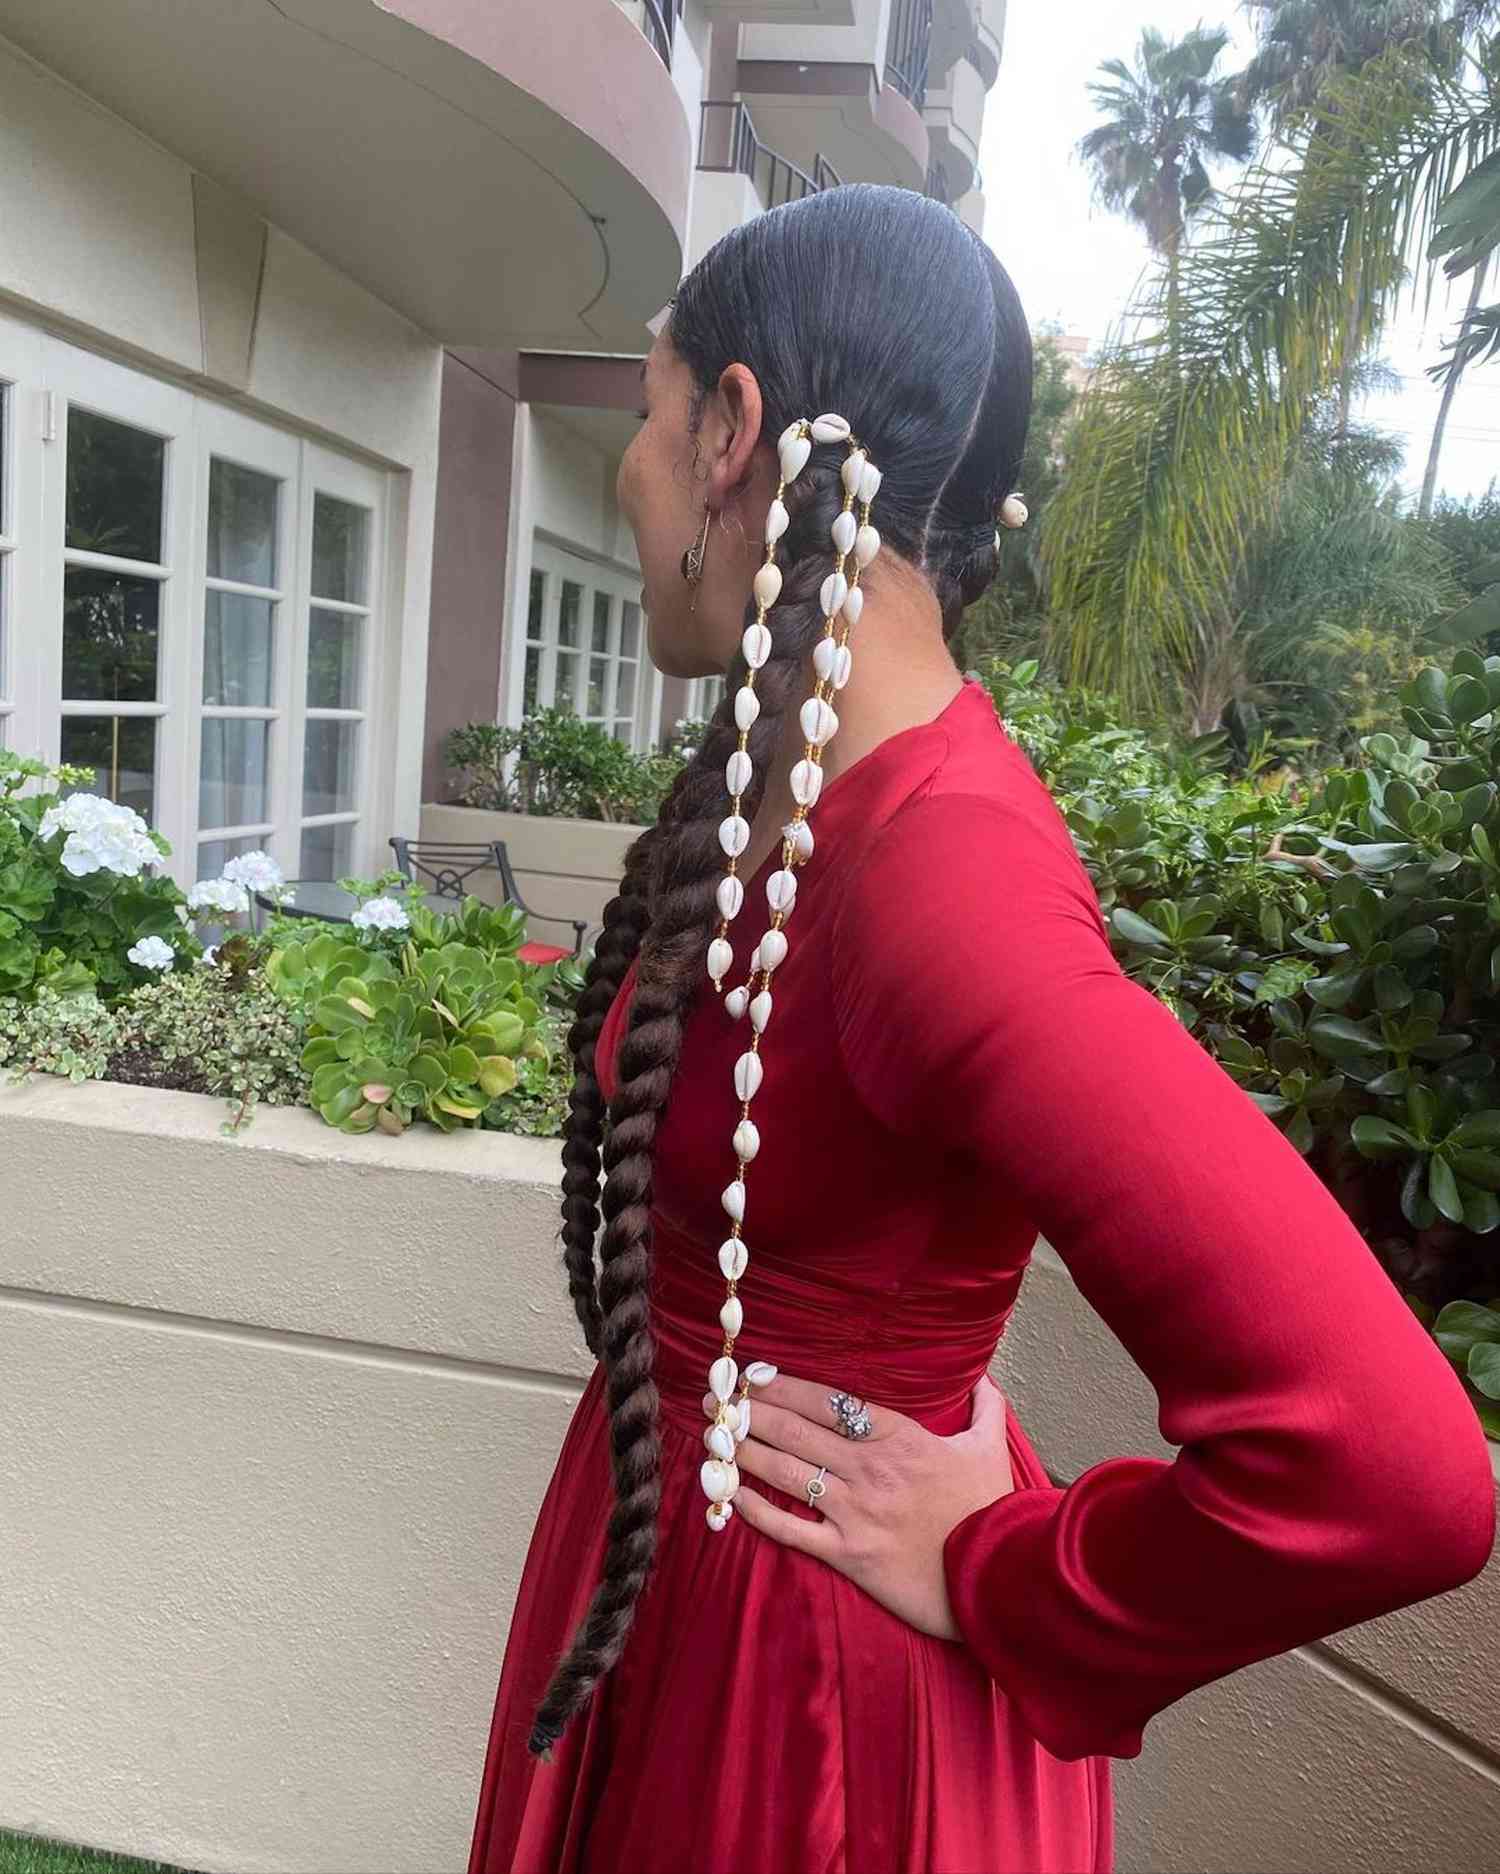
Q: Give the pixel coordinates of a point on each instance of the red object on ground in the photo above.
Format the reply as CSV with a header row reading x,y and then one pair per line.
x,y
542,953
955,1062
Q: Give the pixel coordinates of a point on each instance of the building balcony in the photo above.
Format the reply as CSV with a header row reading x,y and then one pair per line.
x,y
970,208
954,24
782,12
844,92
657,21
954,116
739,176
501,174
989,38
908,49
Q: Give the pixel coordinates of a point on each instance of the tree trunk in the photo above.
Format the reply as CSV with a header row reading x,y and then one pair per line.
x,y
1346,374
1429,480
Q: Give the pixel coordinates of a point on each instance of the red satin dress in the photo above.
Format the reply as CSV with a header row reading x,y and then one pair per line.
x,y
955,1063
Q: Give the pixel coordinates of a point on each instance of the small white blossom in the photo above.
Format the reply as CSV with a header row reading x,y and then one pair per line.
x,y
210,954
380,914
152,953
102,836
218,894
256,871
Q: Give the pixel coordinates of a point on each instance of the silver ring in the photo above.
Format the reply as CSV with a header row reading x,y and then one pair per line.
x,y
852,1414
815,1485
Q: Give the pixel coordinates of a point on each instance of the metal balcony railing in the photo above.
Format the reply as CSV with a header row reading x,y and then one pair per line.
x,y
727,143
659,23
908,49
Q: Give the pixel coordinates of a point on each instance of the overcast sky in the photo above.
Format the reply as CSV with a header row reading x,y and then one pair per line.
x,y
1073,262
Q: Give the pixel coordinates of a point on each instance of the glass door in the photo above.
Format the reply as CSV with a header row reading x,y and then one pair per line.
x,y
245,641
116,548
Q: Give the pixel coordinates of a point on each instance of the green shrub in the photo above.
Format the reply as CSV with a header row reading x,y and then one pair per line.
x,y
1336,947
212,1029
555,763
80,908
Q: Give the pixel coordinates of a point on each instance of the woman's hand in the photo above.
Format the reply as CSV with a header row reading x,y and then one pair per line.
x,y
890,1499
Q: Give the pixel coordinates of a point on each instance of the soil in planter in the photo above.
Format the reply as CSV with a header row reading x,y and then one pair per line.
x,y
140,1067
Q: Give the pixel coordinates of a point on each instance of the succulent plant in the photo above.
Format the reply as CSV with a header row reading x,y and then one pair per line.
x,y
437,1034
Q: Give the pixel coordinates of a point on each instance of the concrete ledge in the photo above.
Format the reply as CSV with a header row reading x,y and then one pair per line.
x,y
280,1412
565,868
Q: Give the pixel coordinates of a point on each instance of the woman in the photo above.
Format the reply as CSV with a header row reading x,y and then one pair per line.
x,y
868,1634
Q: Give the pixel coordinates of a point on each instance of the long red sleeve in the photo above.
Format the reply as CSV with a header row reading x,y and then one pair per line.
x,y
1330,1467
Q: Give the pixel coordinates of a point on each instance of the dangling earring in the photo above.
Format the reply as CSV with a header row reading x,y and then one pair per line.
x,y
692,559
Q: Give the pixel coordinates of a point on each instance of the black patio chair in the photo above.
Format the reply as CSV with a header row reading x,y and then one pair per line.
x,y
444,866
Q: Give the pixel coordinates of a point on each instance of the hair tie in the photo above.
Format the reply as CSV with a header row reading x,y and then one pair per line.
x,y
855,544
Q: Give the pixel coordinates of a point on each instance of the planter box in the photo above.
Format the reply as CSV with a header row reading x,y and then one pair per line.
x,y
565,868
279,1414
1376,1751
280,1411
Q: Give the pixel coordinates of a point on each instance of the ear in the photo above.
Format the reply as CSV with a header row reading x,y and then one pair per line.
x,y
730,433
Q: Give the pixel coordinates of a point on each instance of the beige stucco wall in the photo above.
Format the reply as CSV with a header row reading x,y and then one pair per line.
x,y
115,244
280,1410
1377,1751
570,868
279,1414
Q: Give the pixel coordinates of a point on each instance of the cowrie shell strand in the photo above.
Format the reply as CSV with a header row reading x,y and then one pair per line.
x,y
793,456
773,949
767,585
807,783
830,428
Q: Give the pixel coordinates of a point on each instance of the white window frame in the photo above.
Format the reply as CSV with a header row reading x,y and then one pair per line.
x,y
704,694
43,379
348,481
622,586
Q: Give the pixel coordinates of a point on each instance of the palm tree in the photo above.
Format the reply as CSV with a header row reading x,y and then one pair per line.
x,y
1178,463
1305,44
1164,120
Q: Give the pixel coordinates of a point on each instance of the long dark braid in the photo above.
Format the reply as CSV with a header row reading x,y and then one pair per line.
x,y
830,301
689,865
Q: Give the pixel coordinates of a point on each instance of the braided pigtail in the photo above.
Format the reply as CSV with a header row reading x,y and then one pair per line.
x,y
625,920
688,865
626,917
963,546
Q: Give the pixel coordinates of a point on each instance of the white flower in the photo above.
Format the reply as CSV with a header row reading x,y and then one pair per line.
x,y
210,955
152,953
102,836
218,894
256,871
380,914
